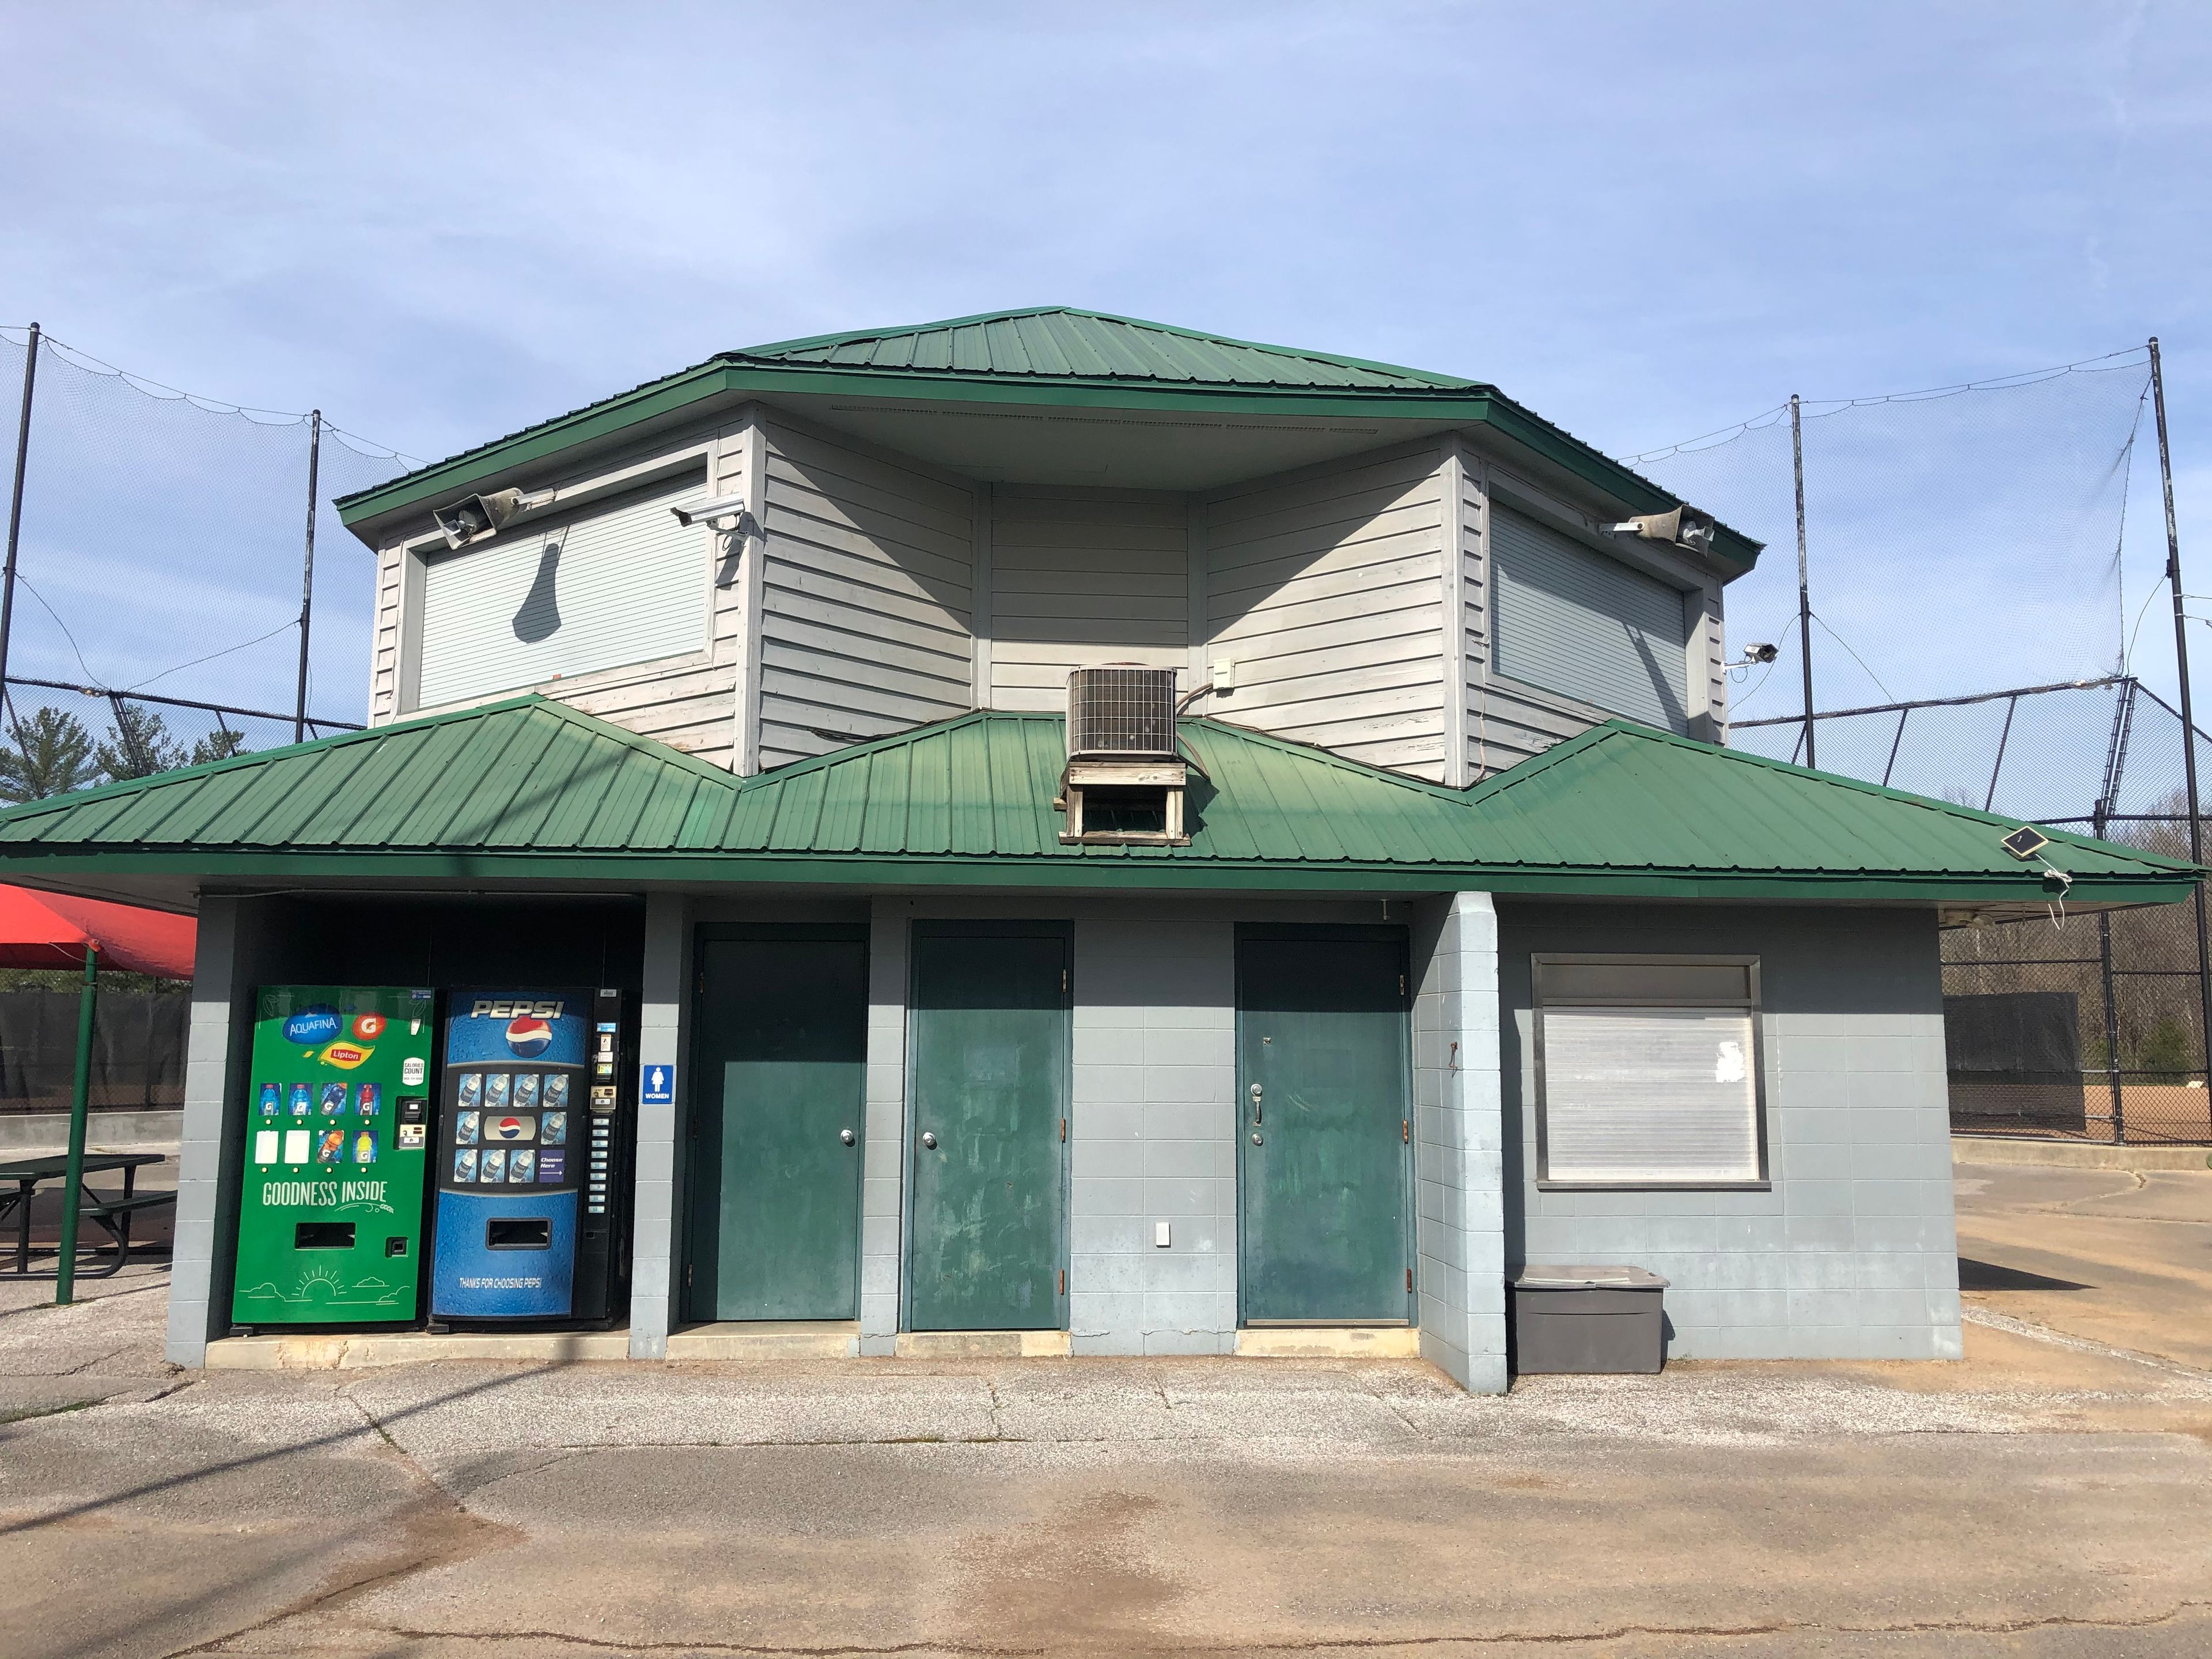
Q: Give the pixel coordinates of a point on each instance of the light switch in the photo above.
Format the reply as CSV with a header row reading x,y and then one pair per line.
x,y
1163,1234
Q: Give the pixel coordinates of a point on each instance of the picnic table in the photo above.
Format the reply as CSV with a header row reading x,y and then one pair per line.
x,y
110,1213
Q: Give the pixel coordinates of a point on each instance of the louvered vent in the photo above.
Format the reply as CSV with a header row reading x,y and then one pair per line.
x,y
1115,714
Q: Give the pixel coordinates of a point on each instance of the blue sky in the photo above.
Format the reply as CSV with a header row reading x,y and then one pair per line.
x,y
441,222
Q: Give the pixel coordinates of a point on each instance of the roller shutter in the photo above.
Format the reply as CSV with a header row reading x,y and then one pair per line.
x,y
1571,620
623,584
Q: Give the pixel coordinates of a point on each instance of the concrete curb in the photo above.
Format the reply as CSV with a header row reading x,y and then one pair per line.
x,y
2076,1154
1330,1342
352,1351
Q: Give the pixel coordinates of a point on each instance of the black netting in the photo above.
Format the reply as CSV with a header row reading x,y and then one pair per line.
x,y
1959,541
160,557
137,1051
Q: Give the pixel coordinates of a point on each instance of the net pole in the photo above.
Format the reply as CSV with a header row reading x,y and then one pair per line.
x,y
15,504
2115,752
1804,587
2188,720
308,573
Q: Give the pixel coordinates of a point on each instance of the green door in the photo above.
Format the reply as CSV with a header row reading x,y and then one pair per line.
x,y
989,1060
777,1127
1322,1107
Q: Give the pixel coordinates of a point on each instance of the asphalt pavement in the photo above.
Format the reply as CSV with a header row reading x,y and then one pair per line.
x,y
2048,1495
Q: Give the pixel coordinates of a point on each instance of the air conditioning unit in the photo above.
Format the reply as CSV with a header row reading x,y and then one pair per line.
x,y
1122,714
1125,778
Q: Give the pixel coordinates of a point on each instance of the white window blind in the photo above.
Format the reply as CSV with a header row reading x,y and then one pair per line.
x,y
624,584
1649,1072
1571,620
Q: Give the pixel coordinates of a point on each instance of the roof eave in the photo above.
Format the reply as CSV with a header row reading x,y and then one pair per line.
x,y
368,513
708,868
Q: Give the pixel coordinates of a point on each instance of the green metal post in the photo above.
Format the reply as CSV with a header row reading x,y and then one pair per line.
x,y
79,1103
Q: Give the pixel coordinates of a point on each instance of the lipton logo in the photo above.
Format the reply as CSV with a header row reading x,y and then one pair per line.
x,y
346,1055
312,1025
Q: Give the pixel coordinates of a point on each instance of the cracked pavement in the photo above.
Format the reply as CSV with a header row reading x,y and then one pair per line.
x,y
2050,1496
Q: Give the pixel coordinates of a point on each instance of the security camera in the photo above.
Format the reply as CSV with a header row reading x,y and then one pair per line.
x,y
1684,528
713,512
1757,654
475,517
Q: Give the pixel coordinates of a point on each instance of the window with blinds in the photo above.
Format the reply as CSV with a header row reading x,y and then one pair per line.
x,y
622,583
1571,620
1648,1071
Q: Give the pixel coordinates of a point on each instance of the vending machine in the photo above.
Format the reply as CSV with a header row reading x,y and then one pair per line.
x,y
330,1215
530,1223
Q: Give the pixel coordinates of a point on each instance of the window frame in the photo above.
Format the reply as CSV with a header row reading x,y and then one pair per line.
x,y
1749,1004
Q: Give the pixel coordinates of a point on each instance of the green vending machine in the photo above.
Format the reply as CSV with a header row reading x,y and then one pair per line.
x,y
330,1217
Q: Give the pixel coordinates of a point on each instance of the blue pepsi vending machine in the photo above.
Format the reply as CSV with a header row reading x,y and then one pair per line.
x,y
530,1220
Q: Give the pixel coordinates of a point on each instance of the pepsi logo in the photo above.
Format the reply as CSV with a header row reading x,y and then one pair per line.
x,y
529,1036
507,1128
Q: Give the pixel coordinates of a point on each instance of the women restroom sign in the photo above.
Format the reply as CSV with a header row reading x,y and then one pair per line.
x,y
656,1085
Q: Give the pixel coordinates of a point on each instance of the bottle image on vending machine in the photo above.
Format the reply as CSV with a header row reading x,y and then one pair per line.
x,y
329,1213
513,1239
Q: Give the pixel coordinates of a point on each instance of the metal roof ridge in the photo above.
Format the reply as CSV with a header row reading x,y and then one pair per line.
x,y
849,337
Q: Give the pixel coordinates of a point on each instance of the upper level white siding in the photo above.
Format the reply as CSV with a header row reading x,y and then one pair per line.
x,y
1325,591
1355,602
1080,577
867,601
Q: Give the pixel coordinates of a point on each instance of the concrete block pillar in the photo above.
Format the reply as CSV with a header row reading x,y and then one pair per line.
x,y
883,1173
1459,1163
657,1213
202,1167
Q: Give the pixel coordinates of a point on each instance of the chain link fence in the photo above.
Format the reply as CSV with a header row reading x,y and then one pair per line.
x,y
2086,1027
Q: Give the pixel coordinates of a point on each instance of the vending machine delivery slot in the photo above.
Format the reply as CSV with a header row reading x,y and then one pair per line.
x,y
525,1228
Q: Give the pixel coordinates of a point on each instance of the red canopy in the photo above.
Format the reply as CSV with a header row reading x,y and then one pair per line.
x,y
51,930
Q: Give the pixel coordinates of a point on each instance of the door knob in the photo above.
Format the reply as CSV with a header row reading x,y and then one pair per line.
x,y
1255,1140
929,1140
847,1136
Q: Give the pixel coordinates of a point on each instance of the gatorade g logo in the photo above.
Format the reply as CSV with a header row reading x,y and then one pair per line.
x,y
369,1027
346,1055
312,1025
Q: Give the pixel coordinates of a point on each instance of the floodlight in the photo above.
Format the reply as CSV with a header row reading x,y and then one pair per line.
x,y
474,517
1683,526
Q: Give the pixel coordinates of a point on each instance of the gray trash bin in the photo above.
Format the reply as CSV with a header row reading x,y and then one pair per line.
x,y
1587,1319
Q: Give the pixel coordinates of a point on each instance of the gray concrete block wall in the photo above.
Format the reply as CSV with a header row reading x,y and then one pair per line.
x,y
657,1215
1852,1252
1151,1120
1459,1151
200,1166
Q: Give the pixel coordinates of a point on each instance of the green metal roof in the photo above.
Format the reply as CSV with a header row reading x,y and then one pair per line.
x,y
1052,356
1060,342
531,789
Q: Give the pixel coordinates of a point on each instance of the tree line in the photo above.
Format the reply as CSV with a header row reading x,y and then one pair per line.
x,y
50,751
